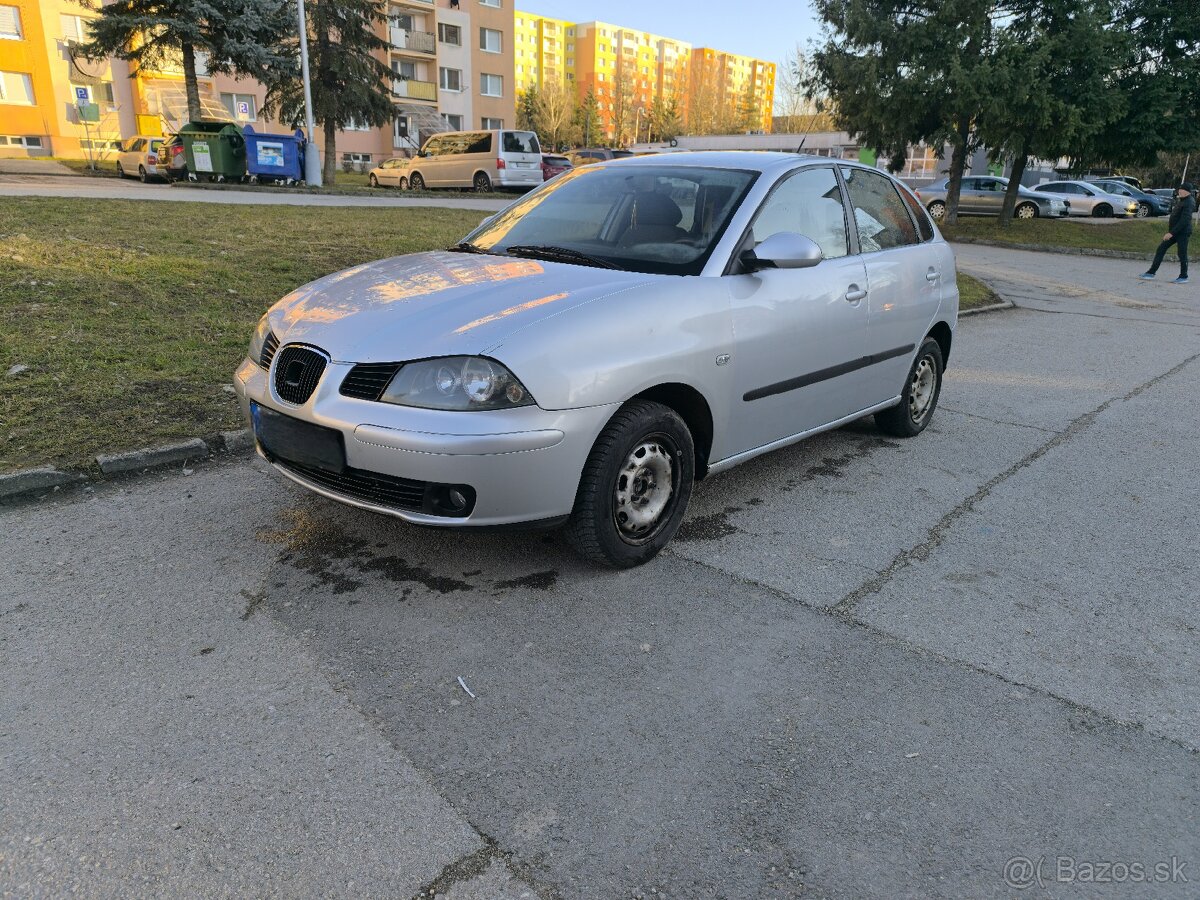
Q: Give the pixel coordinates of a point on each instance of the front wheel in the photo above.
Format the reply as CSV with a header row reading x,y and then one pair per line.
x,y
920,395
937,210
416,182
1143,210
402,184
635,486
1027,211
482,184
373,181
1103,211
120,171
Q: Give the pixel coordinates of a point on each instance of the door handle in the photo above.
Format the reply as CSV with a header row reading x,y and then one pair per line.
x,y
932,275
854,293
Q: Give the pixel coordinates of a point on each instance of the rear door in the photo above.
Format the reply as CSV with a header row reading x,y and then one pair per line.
x,y
969,199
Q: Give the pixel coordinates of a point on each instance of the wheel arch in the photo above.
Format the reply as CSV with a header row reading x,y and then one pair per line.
x,y
941,333
693,408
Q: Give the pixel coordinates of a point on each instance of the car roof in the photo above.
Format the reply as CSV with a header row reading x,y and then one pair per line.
x,y
753,160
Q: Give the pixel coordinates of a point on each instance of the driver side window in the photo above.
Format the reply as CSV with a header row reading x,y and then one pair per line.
x,y
807,203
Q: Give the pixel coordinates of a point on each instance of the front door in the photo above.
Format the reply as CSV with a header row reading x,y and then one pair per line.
x,y
795,330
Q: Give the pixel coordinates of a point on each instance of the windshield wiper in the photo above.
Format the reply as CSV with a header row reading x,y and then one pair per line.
x,y
560,254
466,247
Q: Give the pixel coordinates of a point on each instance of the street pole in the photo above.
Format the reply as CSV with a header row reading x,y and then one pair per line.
x,y
312,158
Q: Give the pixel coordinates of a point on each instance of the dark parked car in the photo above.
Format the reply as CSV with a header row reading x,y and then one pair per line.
x,y
1148,204
554,165
596,154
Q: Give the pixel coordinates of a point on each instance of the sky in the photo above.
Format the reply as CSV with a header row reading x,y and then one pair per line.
x,y
763,30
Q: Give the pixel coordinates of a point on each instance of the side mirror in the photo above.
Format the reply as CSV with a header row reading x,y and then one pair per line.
x,y
783,250
486,220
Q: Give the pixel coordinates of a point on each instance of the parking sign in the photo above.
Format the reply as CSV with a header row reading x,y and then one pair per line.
x,y
82,95
243,109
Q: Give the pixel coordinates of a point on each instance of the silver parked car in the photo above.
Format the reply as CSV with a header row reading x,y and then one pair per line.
x,y
1089,200
983,195
585,355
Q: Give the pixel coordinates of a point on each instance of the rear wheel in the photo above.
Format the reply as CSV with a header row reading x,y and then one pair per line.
x,y
635,486
416,182
937,210
1102,211
373,181
920,395
142,174
1027,211
481,183
120,171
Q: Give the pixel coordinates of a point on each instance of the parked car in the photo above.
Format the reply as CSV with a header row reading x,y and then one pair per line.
x,y
388,172
596,154
139,156
984,196
480,160
586,354
172,160
1169,193
1148,204
1089,200
1123,179
554,165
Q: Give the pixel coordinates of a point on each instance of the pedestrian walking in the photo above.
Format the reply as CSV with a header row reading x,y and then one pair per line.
x,y
1179,230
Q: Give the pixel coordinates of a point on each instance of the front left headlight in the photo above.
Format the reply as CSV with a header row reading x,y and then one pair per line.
x,y
456,383
259,340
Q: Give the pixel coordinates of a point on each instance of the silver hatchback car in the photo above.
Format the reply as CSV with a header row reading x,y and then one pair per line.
x,y
584,356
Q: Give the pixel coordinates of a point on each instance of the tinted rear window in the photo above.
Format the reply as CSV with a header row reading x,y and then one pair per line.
x,y
556,160
520,142
621,154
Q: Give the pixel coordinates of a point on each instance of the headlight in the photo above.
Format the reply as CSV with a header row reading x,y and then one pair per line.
x,y
456,383
259,340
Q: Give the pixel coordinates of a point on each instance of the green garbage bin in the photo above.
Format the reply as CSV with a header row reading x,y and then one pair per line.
x,y
216,151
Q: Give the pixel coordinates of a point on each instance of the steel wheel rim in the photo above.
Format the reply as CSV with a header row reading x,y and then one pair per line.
x,y
644,489
937,210
920,390
1025,212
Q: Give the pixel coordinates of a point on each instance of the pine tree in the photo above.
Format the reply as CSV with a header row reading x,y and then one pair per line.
x,y
351,85
239,37
528,109
591,126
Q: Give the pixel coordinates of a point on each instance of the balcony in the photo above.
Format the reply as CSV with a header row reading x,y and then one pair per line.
x,y
413,89
413,41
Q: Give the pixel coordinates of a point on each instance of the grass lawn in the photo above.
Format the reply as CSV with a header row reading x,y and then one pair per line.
x,y
973,293
1141,236
132,315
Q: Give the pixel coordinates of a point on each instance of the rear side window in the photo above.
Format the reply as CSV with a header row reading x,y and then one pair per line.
x,y
520,142
924,226
478,142
882,217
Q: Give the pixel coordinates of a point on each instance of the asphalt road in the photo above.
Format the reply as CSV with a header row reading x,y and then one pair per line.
x,y
866,668
28,185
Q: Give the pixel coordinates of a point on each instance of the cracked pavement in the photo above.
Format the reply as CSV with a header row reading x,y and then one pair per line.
x,y
866,667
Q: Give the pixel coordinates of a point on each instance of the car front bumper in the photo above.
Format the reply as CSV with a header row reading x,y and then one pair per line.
x,y
522,464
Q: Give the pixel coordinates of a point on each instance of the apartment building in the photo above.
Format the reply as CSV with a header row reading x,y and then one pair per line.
x,y
452,65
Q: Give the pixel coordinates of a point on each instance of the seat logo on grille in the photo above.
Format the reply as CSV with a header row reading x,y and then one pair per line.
x,y
293,373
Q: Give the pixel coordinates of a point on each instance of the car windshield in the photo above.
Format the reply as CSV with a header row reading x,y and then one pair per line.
x,y
656,219
520,142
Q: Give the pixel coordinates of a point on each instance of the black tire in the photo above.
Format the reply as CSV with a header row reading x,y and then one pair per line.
x,y
416,182
481,183
1026,211
373,181
1143,210
142,174
1103,211
642,436
937,210
906,419
120,171
402,184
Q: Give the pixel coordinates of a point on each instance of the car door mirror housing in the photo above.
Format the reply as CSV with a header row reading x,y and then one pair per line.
x,y
783,250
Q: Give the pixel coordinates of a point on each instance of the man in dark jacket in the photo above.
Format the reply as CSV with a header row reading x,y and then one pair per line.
x,y
1179,230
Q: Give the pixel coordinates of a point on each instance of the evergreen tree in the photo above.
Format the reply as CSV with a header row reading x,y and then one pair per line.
x,y
239,37
351,85
591,126
528,109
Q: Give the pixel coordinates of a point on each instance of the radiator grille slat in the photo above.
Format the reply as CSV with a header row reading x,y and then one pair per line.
x,y
382,490
297,372
367,381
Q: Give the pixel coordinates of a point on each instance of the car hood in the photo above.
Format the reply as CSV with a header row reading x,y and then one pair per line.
x,y
435,304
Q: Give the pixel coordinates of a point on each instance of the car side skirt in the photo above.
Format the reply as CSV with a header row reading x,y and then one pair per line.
x,y
730,461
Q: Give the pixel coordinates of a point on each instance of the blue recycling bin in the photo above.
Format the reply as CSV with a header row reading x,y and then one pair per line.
x,y
274,157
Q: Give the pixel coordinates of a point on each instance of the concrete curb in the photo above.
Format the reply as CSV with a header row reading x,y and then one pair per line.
x,y
28,484
1063,251
991,307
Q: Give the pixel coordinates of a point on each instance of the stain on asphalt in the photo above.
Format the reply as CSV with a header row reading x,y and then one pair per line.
x,y
538,581
708,528
333,556
253,602
835,466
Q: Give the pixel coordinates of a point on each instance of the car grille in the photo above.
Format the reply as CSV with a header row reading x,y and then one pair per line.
x,y
297,371
381,490
366,381
270,345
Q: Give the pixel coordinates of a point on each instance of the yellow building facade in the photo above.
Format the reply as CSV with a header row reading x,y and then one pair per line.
x,y
627,70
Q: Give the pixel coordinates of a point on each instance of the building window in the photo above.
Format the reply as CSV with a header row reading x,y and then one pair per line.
x,y
10,23
454,121
450,79
491,85
449,34
490,40
403,69
492,3
16,87
242,107
74,28
488,123
355,125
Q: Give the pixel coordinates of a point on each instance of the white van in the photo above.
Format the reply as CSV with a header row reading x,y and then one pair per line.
x,y
482,160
